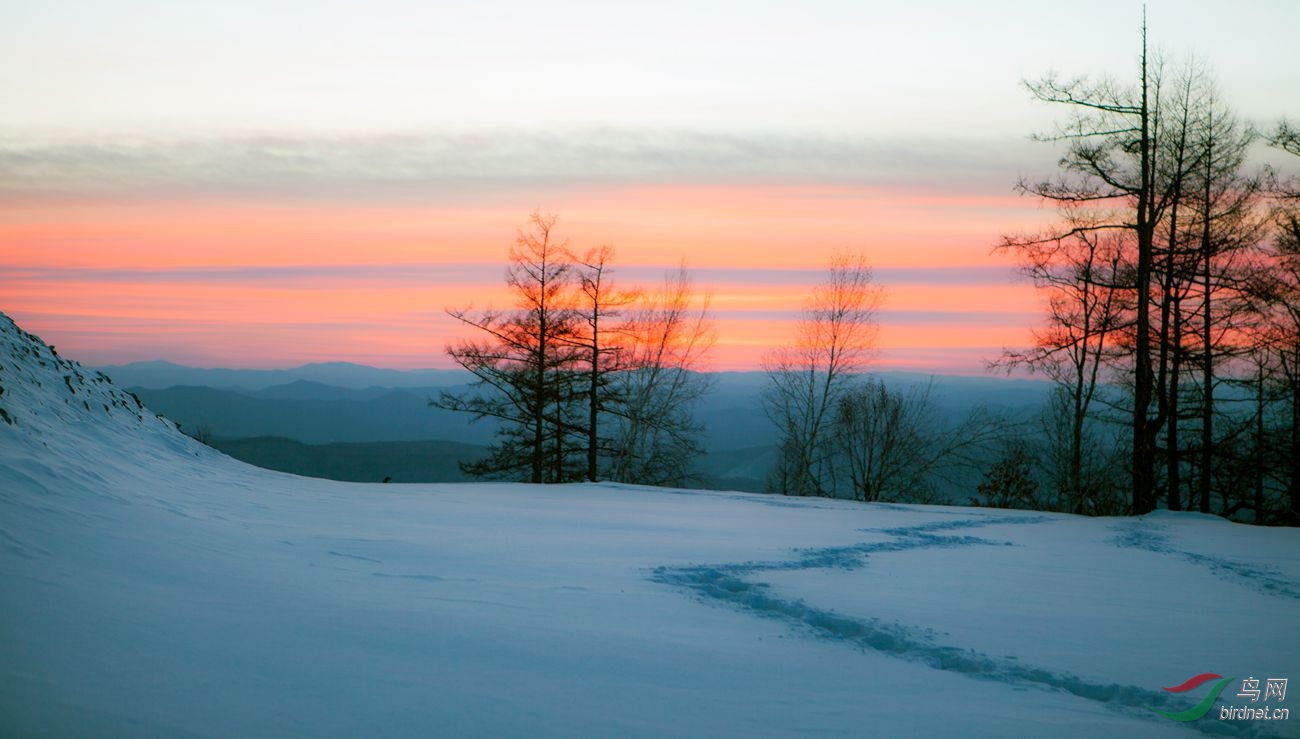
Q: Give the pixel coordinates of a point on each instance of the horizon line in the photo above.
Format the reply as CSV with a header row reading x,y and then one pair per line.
x,y
873,369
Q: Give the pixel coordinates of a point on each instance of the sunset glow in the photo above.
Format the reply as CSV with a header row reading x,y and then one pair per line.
x,y
320,184
268,285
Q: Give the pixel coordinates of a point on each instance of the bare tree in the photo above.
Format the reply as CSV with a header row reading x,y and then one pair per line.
x,y
1111,163
1286,138
1285,326
881,439
1177,160
805,380
1080,455
601,306
585,378
892,446
1228,229
1160,163
1277,355
665,340
1085,275
1009,482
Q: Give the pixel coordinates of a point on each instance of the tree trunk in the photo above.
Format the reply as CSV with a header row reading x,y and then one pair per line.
x,y
1143,473
1075,503
1207,369
1207,411
1259,448
539,420
1293,484
593,398
1173,457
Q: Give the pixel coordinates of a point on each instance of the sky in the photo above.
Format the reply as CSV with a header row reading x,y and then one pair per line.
x,y
273,183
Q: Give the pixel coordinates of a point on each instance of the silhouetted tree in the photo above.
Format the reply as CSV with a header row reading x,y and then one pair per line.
x,y
890,445
665,338
835,334
523,366
1227,227
1009,482
1111,165
881,441
1159,165
600,307
1286,313
1083,461
586,380
1086,276
1277,355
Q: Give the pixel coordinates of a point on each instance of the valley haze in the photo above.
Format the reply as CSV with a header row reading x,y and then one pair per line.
x,y
363,424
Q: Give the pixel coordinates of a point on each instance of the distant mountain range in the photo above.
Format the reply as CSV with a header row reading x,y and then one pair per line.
x,y
363,423
161,374
313,413
307,380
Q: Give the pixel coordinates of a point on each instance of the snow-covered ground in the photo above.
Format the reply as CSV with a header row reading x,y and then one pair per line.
x,y
152,587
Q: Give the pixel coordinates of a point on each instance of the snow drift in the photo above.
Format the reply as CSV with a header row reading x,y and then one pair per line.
x,y
152,587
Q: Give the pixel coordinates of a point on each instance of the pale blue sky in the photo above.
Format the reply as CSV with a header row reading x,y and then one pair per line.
x,y
864,69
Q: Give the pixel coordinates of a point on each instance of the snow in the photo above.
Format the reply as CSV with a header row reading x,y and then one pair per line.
x,y
153,587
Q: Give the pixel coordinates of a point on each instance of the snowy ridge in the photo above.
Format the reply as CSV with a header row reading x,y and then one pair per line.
x,y
68,433
153,587
52,408
44,394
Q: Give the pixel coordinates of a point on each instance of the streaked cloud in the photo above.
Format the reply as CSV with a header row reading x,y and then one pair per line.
x,y
478,273
479,164
392,314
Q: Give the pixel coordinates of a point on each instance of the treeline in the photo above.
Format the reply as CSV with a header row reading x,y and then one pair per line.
x,y
1172,334
594,382
1173,283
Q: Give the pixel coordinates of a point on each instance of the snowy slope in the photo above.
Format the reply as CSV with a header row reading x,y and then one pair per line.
x,y
152,587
